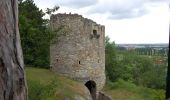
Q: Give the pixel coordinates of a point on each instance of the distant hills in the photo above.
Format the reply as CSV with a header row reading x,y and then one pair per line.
x,y
158,45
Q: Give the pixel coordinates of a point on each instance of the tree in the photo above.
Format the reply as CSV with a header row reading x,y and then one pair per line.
x,y
110,59
35,37
12,75
35,33
50,11
130,66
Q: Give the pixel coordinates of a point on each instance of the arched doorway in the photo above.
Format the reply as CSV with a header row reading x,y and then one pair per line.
x,y
91,85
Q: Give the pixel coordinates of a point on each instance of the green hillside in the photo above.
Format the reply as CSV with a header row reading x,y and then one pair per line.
x,y
123,90
46,85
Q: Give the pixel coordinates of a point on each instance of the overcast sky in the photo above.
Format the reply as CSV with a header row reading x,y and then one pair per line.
x,y
126,21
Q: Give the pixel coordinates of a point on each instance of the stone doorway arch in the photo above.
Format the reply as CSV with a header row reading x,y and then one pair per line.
x,y
91,85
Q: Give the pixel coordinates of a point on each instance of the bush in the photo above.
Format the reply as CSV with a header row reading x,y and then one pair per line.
x,y
143,92
121,84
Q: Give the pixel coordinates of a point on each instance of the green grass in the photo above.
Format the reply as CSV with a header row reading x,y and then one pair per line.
x,y
122,90
44,84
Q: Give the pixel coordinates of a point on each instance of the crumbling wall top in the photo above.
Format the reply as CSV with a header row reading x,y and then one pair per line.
x,y
72,16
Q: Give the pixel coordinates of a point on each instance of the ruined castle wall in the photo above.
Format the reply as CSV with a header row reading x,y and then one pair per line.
x,y
79,51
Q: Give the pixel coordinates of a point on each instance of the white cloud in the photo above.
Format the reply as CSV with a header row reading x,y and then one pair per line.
x,y
150,28
121,9
65,3
126,21
78,3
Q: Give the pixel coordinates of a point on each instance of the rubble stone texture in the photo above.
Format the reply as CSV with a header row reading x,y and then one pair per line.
x,y
79,50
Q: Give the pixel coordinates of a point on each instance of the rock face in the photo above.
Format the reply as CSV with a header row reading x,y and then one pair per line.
x,y
79,50
102,96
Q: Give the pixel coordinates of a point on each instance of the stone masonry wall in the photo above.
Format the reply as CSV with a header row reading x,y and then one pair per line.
x,y
79,51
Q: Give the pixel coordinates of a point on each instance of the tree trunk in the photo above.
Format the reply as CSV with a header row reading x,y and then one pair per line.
x,y
12,75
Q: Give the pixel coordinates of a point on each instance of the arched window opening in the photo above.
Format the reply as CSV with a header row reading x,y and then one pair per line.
x,y
91,85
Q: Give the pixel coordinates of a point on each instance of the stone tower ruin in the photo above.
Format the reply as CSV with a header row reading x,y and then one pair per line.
x,y
79,50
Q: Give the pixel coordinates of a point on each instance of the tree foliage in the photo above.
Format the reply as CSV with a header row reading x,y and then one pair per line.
x,y
35,36
52,10
110,59
130,66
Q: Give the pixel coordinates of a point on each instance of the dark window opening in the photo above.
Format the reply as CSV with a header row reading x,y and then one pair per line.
x,y
95,32
57,60
79,62
98,60
91,85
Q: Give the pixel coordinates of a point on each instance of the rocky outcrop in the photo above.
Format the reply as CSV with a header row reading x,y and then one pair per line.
x,y
102,96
